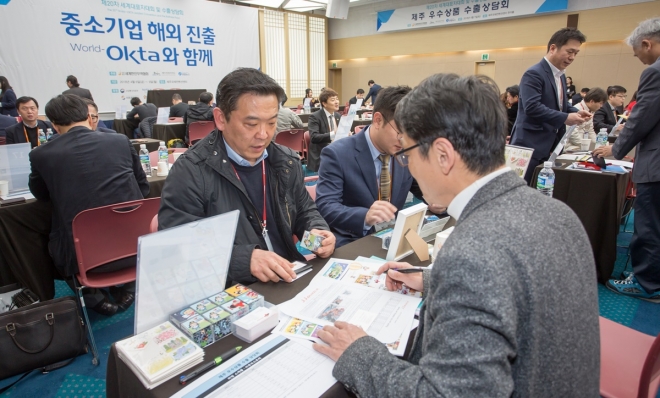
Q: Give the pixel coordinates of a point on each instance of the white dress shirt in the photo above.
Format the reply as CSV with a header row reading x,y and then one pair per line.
x,y
560,88
461,200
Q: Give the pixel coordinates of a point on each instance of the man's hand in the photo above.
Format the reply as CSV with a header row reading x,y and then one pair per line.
x,y
268,266
327,244
603,151
379,212
576,118
621,126
586,115
396,280
338,338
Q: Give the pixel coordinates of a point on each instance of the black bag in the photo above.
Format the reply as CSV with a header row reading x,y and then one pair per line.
x,y
41,335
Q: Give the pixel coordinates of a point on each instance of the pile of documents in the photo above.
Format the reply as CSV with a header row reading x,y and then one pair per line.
x,y
158,354
350,291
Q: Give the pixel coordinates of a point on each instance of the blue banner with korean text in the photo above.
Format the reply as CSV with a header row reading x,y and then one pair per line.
x,y
121,49
462,11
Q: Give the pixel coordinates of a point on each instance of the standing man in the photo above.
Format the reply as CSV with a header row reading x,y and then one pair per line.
x,y
74,88
498,319
373,92
140,112
238,167
543,111
358,95
322,126
607,115
117,177
642,130
178,108
512,94
28,130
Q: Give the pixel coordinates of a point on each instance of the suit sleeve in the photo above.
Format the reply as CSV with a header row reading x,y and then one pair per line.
x,y
141,178
131,114
36,182
457,313
9,136
599,120
316,135
369,94
308,216
295,121
9,100
329,192
646,116
531,90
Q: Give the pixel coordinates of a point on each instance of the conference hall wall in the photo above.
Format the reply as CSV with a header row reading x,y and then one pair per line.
x,y
120,50
513,45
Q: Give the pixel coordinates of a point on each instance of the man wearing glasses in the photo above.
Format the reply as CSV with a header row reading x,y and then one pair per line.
x,y
94,118
360,186
500,318
607,115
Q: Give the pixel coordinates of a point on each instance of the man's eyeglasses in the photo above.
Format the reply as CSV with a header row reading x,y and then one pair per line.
x,y
94,117
393,126
401,156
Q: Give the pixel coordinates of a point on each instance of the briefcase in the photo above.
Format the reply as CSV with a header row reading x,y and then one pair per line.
x,y
41,335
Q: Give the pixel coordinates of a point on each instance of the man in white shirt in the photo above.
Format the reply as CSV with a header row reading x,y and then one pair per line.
x,y
592,102
322,126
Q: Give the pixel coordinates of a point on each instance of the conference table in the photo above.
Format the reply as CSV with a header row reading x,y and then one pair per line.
x,y
163,98
122,382
24,256
169,131
152,145
598,200
123,126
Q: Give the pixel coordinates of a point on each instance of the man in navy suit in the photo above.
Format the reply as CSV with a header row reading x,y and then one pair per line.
x,y
348,193
373,92
543,110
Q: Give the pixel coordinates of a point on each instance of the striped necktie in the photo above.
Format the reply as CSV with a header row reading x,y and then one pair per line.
x,y
385,178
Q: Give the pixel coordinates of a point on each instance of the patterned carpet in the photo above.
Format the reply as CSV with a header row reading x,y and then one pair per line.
x,y
83,380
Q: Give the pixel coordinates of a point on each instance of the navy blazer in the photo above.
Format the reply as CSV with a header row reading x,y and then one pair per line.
x,y
373,92
8,102
541,121
16,134
6,121
117,177
347,186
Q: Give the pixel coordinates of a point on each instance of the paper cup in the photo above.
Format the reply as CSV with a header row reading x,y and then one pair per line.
x,y
176,155
4,188
163,168
585,144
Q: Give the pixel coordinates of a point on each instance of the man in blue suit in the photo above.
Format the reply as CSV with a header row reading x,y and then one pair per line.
x,y
374,89
353,195
543,110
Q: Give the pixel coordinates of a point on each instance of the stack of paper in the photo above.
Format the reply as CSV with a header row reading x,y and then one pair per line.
x,y
158,354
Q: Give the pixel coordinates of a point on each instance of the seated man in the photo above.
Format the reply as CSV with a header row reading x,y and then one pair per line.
x,y
287,119
592,102
117,177
498,319
140,112
607,116
322,126
360,185
178,108
358,95
28,130
238,167
94,118
202,111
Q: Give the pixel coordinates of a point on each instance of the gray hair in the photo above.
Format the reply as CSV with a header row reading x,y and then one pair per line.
x,y
649,29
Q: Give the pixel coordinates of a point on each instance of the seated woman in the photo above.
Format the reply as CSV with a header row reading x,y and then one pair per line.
x,y
315,101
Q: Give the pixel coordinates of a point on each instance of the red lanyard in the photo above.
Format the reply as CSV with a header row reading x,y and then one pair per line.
x,y
263,179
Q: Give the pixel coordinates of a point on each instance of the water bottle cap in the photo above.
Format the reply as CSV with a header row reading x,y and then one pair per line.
x,y
162,143
143,146
603,130
547,165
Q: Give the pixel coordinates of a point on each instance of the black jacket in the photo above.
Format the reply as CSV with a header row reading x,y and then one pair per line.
x,y
202,183
5,122
319,135
200,112
81,170
512,114
8,103
604,118
143,111
178,110
16,135
80,92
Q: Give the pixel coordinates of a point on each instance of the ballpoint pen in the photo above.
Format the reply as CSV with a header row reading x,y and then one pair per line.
x,y
217,361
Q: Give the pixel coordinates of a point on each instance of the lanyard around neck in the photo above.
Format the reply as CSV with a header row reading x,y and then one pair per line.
x,y
263,180
27,139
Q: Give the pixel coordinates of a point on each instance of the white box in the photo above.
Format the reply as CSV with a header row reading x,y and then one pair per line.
x,y
255,324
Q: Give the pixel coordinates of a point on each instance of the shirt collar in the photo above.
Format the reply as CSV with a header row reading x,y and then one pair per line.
x,y
461,200
327,114
611,106
374,152
238,159
35,125
556,72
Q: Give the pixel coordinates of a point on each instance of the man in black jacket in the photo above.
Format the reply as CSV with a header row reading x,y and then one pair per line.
x,y
607,116
178,108
322,126
200,112
237,167
140,112
74,88
116,177
29,129
512,94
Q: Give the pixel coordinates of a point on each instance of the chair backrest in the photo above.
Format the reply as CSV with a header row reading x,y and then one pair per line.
x,y
153,158
306,141
147,127
346,108
199,130
358,129
153,227
291,138
109,233
3,141
650,371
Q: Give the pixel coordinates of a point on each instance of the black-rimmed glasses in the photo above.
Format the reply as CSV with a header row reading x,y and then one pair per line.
x,y
401,156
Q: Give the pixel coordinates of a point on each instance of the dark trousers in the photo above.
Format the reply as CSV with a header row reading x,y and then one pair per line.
x,y
92,296
645,243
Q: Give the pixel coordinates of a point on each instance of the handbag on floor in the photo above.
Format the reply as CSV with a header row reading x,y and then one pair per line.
x,y
45,336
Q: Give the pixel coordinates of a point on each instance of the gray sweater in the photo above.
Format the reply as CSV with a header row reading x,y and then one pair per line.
x,y
511,308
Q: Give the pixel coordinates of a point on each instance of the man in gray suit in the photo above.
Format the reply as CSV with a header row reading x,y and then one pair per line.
x,y
643,130
500,317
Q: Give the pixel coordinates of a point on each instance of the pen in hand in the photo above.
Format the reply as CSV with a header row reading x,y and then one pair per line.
x,y
407,270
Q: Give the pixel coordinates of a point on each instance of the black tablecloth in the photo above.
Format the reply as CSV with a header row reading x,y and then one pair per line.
x,y
124,126
24,256
166,132
163,98
597,199
152,145
122,382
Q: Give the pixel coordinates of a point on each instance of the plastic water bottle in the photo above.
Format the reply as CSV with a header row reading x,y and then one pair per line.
x,y
306,108
144,160
546,181
162,152
601,138
42,137
49,134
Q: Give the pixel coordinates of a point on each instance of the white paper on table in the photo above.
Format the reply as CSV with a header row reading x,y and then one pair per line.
x,y
163,115
358,104
274,367
414,324
619,163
